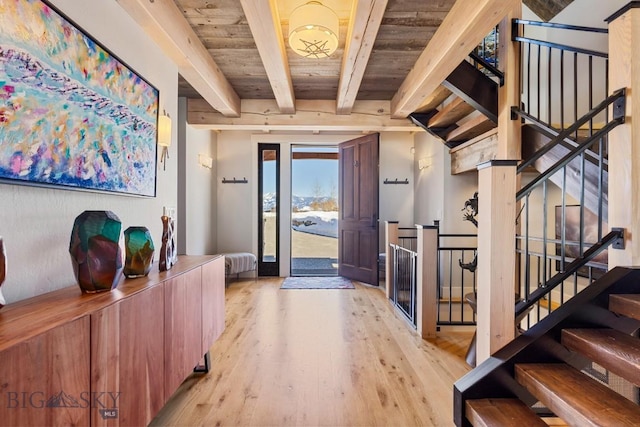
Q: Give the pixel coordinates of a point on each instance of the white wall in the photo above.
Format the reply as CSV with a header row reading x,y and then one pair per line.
x,y
237,212
429,182
237,203
589,13
396,162
438,194
36,222
197,197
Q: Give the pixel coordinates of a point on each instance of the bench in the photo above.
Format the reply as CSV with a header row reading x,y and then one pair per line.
x,y
239,262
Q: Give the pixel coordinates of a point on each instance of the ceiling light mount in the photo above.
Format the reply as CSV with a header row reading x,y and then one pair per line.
x,y
313,30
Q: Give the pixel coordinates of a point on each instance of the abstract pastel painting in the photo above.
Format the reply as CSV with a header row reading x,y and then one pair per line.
x,y
71,113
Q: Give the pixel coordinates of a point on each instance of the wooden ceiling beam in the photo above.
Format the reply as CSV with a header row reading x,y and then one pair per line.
x,y
164,23
364,23
467,156
303,155
463,28
311,115
264,22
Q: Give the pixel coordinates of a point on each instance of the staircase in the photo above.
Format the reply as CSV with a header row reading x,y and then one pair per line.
x,y
546,368
560,370
466,104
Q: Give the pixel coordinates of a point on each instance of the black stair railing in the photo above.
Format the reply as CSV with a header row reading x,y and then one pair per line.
x,y
404,264
562,226
456,278
561,82
617,99
613,237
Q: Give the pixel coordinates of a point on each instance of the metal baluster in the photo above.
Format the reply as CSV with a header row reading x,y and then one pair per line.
x,y
562,90
549,87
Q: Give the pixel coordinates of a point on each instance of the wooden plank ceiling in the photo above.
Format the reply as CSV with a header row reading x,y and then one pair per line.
x,y
213,42
406,28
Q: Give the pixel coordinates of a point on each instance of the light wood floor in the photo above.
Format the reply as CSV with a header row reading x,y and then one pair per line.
x,y
319,358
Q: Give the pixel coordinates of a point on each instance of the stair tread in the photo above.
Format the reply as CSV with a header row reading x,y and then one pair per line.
x,y
625,304
451,113
501,412
436,98
557,385
474,127
614,350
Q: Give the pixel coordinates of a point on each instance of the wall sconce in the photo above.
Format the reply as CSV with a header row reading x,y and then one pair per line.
x,y
164,137
423,164
205,161
313,30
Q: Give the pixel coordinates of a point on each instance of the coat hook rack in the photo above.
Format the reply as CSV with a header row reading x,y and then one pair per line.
x,y
234,181
388,181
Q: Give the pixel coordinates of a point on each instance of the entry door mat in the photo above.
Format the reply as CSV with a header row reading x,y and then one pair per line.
x,y
336,282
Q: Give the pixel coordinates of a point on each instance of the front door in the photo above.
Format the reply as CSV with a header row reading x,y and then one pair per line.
x,y
358,220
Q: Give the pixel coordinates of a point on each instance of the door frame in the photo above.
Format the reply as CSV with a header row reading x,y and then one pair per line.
x,y
285,142
268,268
292,146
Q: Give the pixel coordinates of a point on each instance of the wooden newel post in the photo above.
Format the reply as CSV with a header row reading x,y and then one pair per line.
x,y
427,281
624,140
496,256
390,237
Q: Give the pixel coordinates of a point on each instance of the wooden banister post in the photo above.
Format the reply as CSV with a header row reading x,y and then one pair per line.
x,y
496,256
624,140
390,237
510,128
497,184
427,281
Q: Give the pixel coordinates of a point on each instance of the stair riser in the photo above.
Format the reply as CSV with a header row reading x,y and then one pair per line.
x,y
625,305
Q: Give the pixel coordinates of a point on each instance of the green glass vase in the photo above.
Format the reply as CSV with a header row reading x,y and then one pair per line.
x,y
96,251
139,250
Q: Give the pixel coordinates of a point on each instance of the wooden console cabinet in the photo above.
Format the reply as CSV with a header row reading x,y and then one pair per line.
x,y
114,358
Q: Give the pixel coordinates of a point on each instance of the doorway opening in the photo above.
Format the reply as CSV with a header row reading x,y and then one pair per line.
x,y
314,210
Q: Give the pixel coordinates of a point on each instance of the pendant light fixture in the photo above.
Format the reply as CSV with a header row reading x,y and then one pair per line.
x,y
313,30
